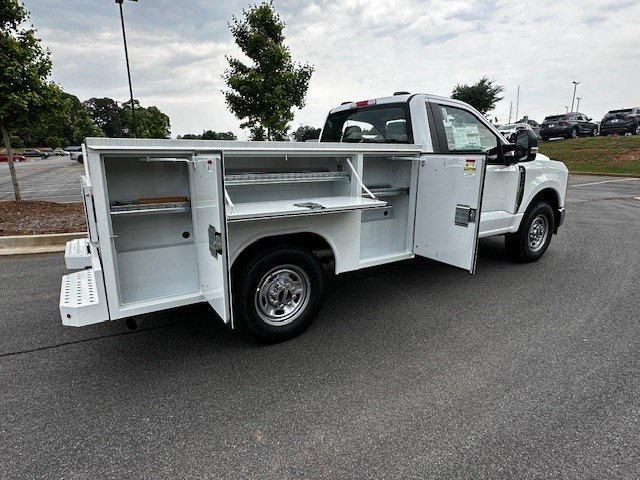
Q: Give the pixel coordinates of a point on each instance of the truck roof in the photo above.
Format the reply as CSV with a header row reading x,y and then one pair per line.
x,y
405,97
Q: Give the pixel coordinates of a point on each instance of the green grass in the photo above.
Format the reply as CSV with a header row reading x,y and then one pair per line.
x,y
597,154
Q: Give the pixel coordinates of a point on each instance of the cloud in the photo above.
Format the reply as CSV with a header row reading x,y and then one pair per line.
x,y
360,49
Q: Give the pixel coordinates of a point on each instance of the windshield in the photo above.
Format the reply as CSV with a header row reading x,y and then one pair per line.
x,y
387,124
511,126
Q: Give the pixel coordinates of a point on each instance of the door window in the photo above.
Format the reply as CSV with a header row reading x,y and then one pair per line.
x,y
464,132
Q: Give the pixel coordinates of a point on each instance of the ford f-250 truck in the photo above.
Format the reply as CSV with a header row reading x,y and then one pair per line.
x,y
252,227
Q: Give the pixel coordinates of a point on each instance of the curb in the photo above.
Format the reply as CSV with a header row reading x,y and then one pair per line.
x,y
23,244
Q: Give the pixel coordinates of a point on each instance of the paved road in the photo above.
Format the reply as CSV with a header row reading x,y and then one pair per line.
x,y
412,371
55,179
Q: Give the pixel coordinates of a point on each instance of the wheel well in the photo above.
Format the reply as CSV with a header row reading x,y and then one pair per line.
x,y
318,245
550,196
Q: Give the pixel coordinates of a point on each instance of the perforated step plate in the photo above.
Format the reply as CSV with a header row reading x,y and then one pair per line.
x,y
77,254
82,299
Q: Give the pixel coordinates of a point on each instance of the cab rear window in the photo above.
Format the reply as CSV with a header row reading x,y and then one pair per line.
x,y
377,124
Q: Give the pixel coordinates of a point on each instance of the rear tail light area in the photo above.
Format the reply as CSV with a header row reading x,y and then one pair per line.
x,y
365,103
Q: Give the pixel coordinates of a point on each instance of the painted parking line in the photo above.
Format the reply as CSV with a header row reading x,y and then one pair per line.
x,y
605,181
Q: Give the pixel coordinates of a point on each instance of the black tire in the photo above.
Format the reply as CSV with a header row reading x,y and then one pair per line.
x,y
80,159
519,245
545,139
636,129
252,286
594,132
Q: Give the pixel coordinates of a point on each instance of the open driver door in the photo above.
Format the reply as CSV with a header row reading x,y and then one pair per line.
x,y
448,204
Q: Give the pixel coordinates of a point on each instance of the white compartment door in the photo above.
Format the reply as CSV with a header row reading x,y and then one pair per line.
x,y
210,232
448,208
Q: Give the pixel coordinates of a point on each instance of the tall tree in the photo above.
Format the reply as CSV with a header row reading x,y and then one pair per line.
x,y
106,114
482,95
24,69
264,93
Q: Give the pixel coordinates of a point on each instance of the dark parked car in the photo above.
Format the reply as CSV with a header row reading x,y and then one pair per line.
x,y
569,125
34,152
621,122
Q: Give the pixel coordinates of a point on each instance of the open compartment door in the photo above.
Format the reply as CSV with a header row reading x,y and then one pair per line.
x,y
210,230
448,208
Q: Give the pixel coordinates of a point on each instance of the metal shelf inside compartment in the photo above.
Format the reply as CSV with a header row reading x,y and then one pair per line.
x,y
388,190
150,208
286,177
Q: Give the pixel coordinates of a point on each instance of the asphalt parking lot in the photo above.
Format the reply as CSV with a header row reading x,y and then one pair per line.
x,y
55,179
415,370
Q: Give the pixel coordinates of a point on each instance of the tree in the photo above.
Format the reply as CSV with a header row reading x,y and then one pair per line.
x,y
62,115
483,95
106,114
150,121
211,135
305,132
263,94
24,70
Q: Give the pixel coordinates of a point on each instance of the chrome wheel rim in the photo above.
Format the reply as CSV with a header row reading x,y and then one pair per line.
x,y
638,129
282,295
574,133
538,232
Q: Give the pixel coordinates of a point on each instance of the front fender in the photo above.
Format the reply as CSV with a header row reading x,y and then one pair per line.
x,y
544,173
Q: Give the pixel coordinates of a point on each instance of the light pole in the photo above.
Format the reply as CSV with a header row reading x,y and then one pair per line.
x,y
575,86
126,56
578,104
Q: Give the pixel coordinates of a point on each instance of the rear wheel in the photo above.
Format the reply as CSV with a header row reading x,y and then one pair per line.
x,y
531,241
279,293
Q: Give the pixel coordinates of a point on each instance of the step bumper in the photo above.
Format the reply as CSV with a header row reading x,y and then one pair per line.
x,y
83,298
77,254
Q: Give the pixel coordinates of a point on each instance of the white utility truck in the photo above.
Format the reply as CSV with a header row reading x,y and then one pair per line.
x,y
251,227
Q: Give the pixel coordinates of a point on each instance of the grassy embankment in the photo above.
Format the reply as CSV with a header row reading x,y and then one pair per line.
x,y
597,154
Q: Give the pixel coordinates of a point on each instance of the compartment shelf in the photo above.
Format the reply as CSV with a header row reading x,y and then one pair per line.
x,y
289,177
388,191
286,208
150,208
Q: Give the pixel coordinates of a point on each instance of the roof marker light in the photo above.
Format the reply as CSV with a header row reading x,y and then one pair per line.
x,y
365,103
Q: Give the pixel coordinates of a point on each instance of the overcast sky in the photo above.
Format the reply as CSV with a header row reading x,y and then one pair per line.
x,y
360,49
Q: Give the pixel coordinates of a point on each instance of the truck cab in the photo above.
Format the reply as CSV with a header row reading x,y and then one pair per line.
x,y
447,128
253,228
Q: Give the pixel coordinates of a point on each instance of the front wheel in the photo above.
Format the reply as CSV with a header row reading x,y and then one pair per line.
x,y
574,133
279,293
532,239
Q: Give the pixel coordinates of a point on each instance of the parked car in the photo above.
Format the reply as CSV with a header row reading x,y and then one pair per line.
x,y
75,153
60,152
569,125
16,158
621,122
33,153
510,131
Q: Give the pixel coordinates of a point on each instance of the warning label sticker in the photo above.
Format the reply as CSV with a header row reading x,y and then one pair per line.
x,y
470,168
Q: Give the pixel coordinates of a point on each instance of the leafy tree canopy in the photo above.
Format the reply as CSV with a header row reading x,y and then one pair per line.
x,y
264,93
210,135
482,95
305,132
